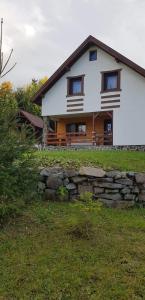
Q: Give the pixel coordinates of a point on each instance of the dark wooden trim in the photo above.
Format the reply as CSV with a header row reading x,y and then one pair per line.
x,y
110,71
77,104
90,41
75,110
75,100
68,85
110,96
110,91
118,81
110,107
71,77
110,101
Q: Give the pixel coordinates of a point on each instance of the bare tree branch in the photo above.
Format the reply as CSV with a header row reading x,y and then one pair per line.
x,y
2,75
2,65
3,68
1,39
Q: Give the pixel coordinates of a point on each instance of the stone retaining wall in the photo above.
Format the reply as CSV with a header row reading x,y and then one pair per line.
x,y
113,188
94,148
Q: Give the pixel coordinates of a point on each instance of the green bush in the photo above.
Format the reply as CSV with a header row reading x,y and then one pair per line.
x,y
62,193
17,169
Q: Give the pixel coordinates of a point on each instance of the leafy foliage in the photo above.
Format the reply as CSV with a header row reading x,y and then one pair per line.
x,y
62,193
16,164
25,94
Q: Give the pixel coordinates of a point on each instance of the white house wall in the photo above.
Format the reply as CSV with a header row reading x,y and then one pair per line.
x,y
128,119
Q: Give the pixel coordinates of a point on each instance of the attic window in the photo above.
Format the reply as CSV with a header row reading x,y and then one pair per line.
x,y
93,55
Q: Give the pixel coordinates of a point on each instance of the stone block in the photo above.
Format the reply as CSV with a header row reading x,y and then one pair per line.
x,y
141,197
52,170
114,197
105,179
131,175
98,190
129,197
114,174
71,173
44,172
140,178
82,188
126,190
135,190
50,194
66,181
54,181
125,181
78,179
108,185
90,171
111,191
71,186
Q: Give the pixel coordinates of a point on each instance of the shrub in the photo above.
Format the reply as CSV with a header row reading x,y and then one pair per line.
x,y
62,193
17,171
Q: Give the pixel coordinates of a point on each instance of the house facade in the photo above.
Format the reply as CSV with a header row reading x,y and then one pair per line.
x,y
96,97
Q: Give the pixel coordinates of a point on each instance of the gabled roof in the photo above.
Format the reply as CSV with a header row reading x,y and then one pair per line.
x,y
90,41
34,120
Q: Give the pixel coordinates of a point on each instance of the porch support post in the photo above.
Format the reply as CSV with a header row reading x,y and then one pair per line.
x,y
93,131
45,131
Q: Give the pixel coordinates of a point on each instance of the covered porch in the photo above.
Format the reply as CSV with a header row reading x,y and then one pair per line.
x,y
84,129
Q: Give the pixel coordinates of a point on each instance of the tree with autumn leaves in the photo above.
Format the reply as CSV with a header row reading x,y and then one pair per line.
x,y
23,96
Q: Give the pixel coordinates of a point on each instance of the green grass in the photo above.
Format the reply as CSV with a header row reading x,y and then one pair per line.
x,y
40,260
121,160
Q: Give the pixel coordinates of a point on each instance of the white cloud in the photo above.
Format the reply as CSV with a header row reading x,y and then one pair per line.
x,y
29,30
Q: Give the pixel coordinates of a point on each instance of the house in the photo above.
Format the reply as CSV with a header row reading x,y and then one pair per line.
x,y
97,96
34,122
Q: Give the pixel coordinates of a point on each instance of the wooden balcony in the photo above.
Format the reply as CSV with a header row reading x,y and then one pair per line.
x,y
79,138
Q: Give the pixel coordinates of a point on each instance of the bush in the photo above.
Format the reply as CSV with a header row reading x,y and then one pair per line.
x,y
62,193
17,171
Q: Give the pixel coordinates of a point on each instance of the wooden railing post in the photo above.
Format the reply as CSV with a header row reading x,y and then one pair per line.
x,y
45,131
93,138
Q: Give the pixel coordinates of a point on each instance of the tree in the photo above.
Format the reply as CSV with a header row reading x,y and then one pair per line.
x,y
16,155
25,94
3,65
5,88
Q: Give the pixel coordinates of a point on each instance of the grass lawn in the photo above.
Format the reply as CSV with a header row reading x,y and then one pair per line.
x,y
39,259
121,160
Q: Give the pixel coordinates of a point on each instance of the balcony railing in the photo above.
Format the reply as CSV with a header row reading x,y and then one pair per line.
x,y
71,138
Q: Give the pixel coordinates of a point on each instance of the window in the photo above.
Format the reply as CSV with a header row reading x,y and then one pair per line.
x,y
93,55
76,128
81,128
75,86
111,81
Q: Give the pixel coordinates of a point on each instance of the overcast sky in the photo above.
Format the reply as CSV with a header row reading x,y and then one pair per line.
x,y
44,33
